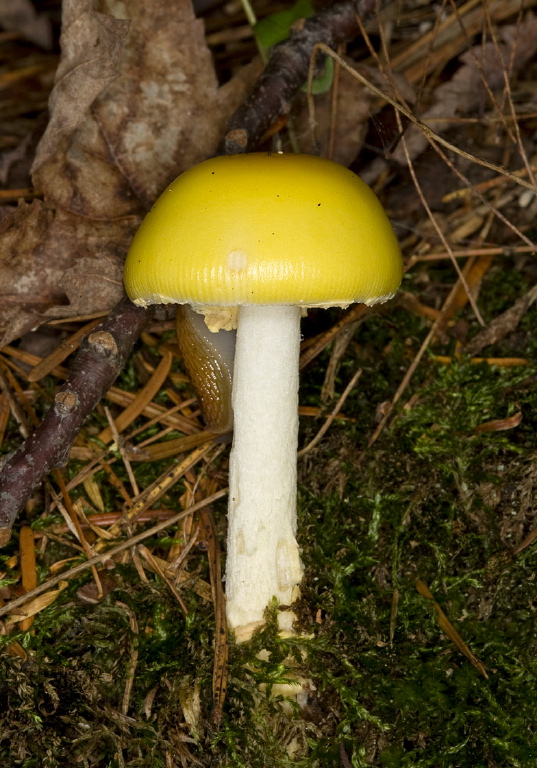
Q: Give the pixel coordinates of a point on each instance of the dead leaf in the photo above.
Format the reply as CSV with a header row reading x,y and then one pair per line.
x,y
355,105
20,16
190,698
38,604
91,48
135,103
502,325
28,287
465,91
12,157
90,593
499,425
449,630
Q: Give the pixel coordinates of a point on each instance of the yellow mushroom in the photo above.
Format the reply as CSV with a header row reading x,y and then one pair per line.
x,y
252,241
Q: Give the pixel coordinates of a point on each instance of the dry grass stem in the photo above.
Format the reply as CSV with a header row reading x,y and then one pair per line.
x,y
332,415
434,137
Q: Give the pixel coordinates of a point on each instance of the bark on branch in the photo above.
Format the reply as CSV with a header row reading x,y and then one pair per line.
x,y
100,359
287,71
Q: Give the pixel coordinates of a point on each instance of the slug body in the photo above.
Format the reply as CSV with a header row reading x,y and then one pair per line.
x,y
208,359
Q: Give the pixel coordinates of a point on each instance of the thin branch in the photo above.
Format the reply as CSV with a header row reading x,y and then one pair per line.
x,y
100,359
287,71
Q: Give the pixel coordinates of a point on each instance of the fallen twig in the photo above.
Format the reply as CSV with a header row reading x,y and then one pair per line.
x,y
287,71
100,359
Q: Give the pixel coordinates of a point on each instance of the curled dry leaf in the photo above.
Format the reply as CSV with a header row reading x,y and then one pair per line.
x,y
135,103
190,698
352,114
466,90
355,105
502,325
20,16
499,425
12,158
38,604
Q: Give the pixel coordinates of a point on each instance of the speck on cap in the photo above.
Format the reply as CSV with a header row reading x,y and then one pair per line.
x,y
265,229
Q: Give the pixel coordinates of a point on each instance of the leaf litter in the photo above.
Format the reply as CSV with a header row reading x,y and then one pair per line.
x,y
127,90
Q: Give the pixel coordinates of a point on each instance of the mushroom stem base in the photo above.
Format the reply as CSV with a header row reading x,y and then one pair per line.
x,y
263,558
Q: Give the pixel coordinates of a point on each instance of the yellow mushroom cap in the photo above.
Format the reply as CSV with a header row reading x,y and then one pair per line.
x,y
265,229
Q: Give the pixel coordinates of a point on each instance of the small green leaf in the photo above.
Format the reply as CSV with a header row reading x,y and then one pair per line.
x,y
275,28
323,82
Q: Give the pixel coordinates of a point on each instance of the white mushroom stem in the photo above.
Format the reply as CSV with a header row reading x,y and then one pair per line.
x,y
263,558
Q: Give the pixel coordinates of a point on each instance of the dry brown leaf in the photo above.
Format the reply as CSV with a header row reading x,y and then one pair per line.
x,y
502,325
355,105
38,604
353,110
20,16
28,287
466,91
13,158
136,102
499,425
449,630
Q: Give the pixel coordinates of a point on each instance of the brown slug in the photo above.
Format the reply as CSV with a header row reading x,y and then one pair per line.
x,y
208,359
